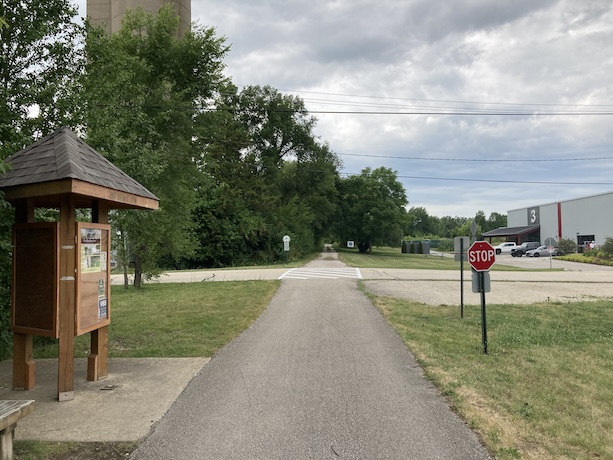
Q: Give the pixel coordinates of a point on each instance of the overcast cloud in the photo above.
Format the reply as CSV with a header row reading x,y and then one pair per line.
x,y
541,57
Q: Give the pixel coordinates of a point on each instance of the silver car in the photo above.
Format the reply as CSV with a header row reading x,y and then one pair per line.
x,y
541,251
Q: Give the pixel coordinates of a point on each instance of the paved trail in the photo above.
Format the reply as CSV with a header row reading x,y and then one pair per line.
x,y
320,375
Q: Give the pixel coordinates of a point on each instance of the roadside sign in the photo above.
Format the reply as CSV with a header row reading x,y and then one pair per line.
x,y
550,249
481,256
461,243
476,281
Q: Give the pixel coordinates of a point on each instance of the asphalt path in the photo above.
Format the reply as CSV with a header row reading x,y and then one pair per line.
x,y
320,375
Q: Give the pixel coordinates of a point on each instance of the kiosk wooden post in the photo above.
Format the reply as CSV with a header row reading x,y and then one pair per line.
x,y
24,367
61,270
97,361
65,379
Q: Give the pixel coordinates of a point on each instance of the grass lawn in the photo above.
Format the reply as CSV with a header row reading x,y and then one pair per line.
x,y
544,390
175,320
386,257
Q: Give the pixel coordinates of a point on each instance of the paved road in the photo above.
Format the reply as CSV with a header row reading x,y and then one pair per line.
x,y
320,375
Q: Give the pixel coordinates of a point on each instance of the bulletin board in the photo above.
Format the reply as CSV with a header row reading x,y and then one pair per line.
x,y
93,308
35,295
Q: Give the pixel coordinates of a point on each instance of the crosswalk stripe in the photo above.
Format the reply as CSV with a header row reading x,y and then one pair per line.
x,y
323,273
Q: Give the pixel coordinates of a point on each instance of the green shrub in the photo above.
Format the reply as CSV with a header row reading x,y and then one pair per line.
x,y
606,250
567,246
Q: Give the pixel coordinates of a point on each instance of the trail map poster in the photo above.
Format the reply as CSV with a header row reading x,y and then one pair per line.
x,y
93,309
91,256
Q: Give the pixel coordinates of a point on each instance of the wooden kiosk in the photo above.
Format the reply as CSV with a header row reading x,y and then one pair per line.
x,y
61,270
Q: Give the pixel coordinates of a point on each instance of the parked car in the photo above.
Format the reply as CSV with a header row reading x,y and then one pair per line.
x,y
504,247
541,251
524,247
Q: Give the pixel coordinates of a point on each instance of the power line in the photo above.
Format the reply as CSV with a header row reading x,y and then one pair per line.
x,y
522,108
448,101
495,181
476,160
444,159
451,113
444,111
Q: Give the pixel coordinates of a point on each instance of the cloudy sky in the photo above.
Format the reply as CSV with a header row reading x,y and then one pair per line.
x,y
485,105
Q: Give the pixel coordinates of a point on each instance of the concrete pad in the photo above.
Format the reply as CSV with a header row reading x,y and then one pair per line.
x,y
121,407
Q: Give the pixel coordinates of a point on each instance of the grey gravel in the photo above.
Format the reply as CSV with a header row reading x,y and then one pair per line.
x,y
442,292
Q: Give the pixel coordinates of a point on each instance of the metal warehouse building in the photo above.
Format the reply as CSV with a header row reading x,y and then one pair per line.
x,y
581,219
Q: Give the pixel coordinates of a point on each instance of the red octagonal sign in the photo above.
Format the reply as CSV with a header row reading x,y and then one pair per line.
x,y
481,256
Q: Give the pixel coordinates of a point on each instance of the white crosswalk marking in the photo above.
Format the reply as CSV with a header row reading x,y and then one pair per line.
x,y
329,273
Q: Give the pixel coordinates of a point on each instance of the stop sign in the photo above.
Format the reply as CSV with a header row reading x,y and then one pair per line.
x,y
481,256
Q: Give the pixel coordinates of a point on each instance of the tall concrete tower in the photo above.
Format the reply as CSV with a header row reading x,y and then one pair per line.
x,y
109,13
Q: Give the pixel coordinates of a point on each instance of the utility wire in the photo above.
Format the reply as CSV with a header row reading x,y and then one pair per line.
x,y
503,181
477,160
447,101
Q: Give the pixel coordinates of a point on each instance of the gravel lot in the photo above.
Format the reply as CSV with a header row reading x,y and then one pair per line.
x,y
442,292
568,282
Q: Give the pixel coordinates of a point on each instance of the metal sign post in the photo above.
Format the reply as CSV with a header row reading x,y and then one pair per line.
x,y
461,277
483,319
481,256
460,244
550,250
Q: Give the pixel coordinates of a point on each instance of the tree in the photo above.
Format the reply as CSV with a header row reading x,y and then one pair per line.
x,y
496,220
309,183
371,208
279,127
449,227
144,90
38,63
481,222
419,222
297,172
266,175
39,60
228,221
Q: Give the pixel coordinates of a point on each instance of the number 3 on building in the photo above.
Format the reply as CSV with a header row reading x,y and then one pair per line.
x,y
533,216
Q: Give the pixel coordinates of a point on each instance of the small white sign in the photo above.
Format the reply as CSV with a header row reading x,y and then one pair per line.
x,y
350,244
463,241
286,239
